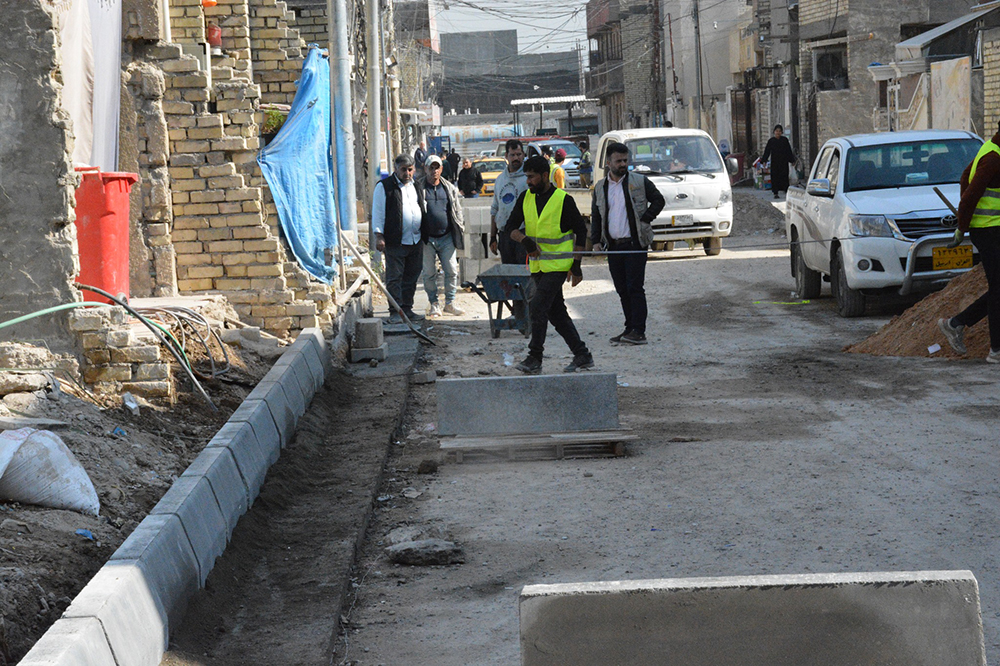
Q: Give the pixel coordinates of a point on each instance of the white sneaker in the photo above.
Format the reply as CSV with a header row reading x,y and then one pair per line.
x,y
954,335
434,310
993,356
453,309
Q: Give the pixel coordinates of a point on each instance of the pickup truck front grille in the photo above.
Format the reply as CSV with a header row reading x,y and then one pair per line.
x,y
917,228
681,230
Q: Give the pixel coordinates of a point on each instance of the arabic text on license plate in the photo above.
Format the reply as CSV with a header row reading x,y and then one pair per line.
x,y
683,220
945,258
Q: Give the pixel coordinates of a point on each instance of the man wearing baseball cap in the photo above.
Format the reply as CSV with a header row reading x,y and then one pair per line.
x,y
441,230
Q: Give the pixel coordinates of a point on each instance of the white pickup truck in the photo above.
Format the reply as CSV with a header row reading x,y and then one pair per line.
x,y
688,170
869,220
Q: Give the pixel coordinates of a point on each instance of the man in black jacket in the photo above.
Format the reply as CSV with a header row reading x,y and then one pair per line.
x,y
624,206
397,212
470,181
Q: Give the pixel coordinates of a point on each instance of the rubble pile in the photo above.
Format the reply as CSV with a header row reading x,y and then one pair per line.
x,y
915,332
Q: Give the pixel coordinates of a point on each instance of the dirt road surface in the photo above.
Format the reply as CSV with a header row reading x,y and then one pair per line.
x,y
763,449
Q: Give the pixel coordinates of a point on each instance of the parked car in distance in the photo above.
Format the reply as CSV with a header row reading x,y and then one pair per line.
x,y
489,169
688,170
869,220
573,155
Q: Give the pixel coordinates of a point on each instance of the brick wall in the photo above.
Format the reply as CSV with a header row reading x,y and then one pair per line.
x,y
811,11
277,50
991,81
312,26
187,22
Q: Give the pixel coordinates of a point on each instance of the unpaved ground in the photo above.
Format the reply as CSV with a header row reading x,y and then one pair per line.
x,y
132,460
276,594
763,450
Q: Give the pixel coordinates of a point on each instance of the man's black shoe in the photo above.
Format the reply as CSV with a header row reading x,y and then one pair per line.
x,y
530,366
634,338
580,362
618,338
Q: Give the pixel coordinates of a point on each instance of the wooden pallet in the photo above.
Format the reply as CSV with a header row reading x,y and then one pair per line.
x,y
542,446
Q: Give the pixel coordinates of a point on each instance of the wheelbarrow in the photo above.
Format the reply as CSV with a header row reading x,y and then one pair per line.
x,y
504,285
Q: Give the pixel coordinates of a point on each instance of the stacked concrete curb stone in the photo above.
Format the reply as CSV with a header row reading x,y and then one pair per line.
x,y
124,614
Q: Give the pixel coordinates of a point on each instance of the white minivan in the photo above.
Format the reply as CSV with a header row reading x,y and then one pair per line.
x,y
688,170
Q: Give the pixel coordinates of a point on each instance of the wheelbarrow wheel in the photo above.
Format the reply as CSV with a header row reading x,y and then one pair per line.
x,y
495,332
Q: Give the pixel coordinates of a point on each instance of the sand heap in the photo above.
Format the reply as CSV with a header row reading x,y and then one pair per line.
x,y
911,333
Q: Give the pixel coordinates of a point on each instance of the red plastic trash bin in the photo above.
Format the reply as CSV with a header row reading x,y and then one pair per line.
x,y
102,226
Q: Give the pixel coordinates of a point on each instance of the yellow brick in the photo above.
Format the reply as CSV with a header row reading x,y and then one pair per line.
x,y
268,245
183,235
190,223
225,246
194,285
264,270
236,270
187,248
224,284
214,234
238,258
205,272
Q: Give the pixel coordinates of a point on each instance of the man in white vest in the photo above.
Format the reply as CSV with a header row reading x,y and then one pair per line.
x,y
624,206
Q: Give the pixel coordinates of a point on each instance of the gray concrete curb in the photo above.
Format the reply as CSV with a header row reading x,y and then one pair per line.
x,y
122,617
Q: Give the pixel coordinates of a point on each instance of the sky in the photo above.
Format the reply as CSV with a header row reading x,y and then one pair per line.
x,y
541,27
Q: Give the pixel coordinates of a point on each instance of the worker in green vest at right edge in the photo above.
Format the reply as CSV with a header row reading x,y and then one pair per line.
x,y
979,214
553,230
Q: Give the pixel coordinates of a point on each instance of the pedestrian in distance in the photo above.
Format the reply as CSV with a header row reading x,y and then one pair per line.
x,y
585,166
454,161
446,171
397,217
559,173
442,229
420,155
553,231
779,151
470,181
979,215
624,207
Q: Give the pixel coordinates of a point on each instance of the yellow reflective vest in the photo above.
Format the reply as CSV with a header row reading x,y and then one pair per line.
x,y
555,245
987,213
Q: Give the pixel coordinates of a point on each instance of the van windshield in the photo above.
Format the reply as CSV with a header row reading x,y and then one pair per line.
x,y
674,154
908,164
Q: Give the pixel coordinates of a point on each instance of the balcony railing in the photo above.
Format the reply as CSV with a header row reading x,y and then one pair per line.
x,y
605,79
601,13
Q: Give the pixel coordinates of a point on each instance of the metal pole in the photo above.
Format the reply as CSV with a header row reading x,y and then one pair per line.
x,y
392,110
165,20
374,106
342,123
337,184
697,61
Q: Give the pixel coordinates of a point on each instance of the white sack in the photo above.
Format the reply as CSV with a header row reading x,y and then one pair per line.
x,y
37,468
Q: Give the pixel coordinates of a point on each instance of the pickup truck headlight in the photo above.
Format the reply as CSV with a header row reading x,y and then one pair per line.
x,y
725,197
870,225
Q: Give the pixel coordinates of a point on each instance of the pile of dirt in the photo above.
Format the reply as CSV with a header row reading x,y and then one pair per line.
x,y
756,216
48,555
911,333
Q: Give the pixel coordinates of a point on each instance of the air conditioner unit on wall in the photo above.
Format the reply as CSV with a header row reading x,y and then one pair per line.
x,y
830,67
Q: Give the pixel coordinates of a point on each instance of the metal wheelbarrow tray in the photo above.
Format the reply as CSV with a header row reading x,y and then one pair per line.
x,y
504,284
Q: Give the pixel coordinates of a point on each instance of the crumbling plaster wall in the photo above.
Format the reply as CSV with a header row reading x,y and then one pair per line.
x,y
38,260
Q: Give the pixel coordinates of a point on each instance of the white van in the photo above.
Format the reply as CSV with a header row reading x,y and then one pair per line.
x,y
688,170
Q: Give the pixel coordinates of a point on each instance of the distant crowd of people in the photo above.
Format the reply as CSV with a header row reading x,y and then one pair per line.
x,y
467,179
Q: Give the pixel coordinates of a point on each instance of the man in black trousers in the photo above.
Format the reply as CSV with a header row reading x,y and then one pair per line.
x,y
624,206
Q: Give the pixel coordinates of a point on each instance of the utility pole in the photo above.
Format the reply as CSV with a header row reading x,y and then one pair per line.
x,y
697,62
341,126
374,105
392,81
656,75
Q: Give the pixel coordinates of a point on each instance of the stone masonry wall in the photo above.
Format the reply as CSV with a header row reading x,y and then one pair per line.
x,y
811,11
114,359
277,50
37,180
991,81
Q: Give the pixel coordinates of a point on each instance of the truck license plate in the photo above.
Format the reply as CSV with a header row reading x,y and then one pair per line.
x,y
945,258
683,220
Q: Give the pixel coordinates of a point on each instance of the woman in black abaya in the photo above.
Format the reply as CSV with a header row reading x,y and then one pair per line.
x,y
780,152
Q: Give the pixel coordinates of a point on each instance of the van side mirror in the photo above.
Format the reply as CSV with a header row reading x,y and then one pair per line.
x,y
819,187
732,165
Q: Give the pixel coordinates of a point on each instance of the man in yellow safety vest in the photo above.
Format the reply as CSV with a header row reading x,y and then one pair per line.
x,y
553,230
979,214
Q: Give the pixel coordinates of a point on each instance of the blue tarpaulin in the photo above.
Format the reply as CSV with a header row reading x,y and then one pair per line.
x,y
297,167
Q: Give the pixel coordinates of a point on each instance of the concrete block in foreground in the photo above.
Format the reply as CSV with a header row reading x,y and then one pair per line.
x,y
77,641
284,411
313,337
161,551
119,597
258,415
191,499
917,618
380,353
218,467
251,459
533,404
292,372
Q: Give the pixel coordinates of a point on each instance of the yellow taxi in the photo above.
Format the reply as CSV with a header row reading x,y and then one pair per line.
x,y
489,168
